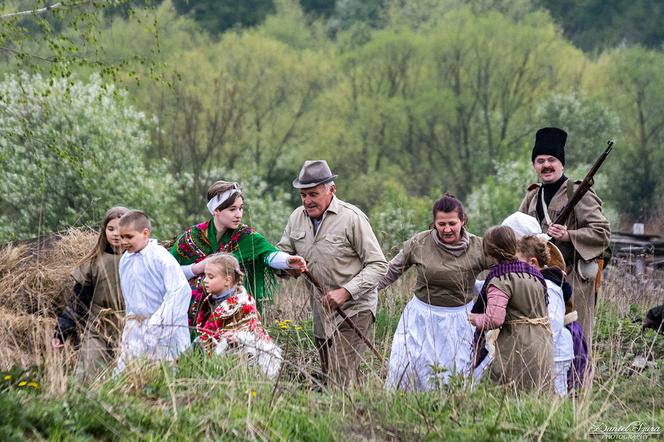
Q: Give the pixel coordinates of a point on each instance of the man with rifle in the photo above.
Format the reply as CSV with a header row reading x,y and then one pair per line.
x,y
571,213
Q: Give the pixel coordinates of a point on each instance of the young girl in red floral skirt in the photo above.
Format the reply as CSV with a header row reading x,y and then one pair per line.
x,y
228,319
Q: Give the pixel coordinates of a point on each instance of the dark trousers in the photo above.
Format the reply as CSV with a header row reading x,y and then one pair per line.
x,y
341,354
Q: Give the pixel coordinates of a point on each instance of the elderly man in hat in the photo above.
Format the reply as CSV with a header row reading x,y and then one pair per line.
x,y
344,256
585,234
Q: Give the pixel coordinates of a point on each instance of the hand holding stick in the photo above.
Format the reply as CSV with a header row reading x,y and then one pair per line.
x,y
343,315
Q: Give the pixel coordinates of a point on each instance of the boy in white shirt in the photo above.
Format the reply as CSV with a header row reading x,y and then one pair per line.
x,y
156,295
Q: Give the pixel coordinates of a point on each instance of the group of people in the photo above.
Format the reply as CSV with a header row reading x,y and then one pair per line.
x,y
519,322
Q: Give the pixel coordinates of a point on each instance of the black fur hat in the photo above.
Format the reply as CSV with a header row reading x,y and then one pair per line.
x,y
550,141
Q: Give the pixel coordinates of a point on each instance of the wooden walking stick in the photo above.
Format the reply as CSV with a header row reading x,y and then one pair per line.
x,y
343,314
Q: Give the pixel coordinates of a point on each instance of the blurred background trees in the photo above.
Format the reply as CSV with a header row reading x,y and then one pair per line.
x,y
70,150
405,99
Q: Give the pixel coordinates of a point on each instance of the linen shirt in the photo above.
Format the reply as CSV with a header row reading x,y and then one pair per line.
x,y
343,252
156,295
562,339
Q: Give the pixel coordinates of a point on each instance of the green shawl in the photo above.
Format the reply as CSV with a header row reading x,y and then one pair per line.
x,y
249,247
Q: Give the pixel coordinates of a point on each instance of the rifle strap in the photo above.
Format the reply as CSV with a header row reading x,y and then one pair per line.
x,y
545,208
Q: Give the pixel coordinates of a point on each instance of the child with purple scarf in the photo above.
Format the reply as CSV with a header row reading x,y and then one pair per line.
x,y
514,298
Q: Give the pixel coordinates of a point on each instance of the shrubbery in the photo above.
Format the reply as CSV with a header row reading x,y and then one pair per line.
x,y
68,151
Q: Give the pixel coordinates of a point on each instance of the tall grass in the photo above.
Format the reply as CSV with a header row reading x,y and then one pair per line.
x,y
219,399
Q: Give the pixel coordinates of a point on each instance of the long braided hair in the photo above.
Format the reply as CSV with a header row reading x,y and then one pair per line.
x,y
227,265
499,243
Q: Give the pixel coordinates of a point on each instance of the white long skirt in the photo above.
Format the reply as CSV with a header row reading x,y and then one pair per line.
x,y
430,344
264,353
143,340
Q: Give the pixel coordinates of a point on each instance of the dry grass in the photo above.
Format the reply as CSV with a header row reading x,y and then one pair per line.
x,y
622,288
34,286
30,301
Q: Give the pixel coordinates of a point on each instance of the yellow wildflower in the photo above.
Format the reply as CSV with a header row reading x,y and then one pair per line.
x,y
22,384
8,377
33,384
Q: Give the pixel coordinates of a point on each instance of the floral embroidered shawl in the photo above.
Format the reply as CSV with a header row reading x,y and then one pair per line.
x,y
237,313
248,246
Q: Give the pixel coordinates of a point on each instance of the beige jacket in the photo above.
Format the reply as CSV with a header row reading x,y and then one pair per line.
x,y
343,253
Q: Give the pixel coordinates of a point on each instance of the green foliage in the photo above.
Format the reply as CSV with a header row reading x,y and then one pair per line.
x,y
437,107
288,26
637,186
594,25
58,37
245,107
349,12
267,209
216,16
145,42
319,7
589,123
395,216
432,95
71,150
499,196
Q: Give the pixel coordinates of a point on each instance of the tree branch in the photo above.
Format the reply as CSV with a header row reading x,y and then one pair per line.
x,y
31,12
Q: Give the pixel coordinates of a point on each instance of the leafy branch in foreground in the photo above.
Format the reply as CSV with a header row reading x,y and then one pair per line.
x,y
63,35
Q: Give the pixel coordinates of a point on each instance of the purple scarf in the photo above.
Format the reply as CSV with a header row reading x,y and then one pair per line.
x,y
479,350
501,269
577,373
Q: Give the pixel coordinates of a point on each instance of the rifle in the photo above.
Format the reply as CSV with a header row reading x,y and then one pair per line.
x,y
343,315
584,187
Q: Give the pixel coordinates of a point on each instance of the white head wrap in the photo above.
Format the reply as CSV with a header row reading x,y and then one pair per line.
x,y
218,200
524,225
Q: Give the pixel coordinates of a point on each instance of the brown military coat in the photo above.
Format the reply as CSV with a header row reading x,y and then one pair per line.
x,y
588,228
589,236
103,327
107,306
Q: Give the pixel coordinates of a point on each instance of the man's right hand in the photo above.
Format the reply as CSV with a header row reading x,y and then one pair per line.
x,y
293,273
57,343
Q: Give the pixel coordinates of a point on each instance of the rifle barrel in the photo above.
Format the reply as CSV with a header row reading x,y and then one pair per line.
x,y
585,185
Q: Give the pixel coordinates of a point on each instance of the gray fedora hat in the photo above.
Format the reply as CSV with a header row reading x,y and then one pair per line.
x,y
313,173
